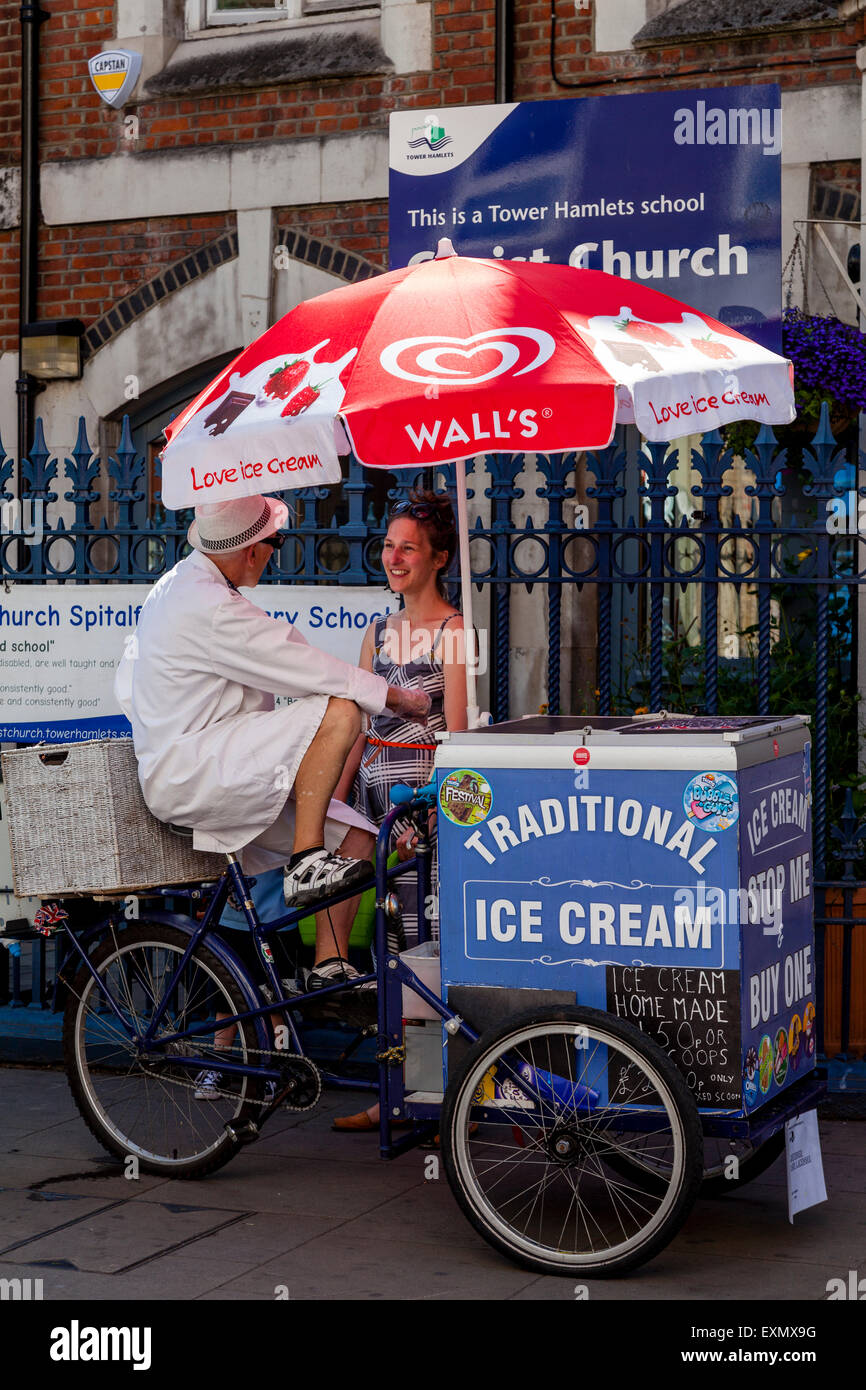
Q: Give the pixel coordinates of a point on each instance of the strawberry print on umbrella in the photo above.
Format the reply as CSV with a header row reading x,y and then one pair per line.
x,y
711,347
302,401
281,383
646,332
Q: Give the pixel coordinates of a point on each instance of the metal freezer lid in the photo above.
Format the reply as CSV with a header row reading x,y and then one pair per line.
x,y
545,741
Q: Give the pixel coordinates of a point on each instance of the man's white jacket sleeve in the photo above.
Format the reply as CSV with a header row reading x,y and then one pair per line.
x,y
258,651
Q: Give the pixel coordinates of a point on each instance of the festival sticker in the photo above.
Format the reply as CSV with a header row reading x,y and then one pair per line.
x,y
711,801
465,797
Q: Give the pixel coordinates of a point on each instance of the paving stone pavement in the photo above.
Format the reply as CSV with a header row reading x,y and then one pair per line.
x,y
312,1215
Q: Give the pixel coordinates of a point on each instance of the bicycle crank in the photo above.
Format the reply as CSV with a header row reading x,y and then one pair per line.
x,y
300,1083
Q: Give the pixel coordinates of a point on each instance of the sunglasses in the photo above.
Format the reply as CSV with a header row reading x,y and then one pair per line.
x,y
276,541
420,511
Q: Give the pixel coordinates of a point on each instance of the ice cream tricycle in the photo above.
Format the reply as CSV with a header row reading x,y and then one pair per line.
x,y
617,1014
619,1010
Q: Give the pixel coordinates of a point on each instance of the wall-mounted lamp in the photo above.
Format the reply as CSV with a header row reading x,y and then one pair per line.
x,y
51,350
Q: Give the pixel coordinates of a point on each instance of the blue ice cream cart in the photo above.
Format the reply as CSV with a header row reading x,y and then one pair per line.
x,y
626,916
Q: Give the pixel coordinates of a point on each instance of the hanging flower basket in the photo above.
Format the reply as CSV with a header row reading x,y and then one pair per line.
x,y
829,360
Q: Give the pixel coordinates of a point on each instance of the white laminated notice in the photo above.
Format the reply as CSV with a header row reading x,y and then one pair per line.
x,y
805,1169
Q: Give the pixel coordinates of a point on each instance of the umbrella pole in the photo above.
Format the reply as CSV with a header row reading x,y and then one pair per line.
x,y
472,711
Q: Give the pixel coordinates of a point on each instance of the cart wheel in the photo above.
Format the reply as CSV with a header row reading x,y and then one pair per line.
x,y
751,1163
144,1106
533,1115
650,1169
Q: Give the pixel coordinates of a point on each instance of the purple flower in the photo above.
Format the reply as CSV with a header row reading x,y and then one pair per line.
x,y
829,358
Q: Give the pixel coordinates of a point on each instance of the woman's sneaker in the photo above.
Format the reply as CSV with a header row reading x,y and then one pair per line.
x,y
207,1087
320,874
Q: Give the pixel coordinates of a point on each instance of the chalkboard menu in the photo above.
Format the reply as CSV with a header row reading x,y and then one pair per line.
x,y
694,1015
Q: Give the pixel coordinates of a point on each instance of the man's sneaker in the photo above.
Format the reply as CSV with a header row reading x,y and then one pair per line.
x,y
207,1085
320,874
336,972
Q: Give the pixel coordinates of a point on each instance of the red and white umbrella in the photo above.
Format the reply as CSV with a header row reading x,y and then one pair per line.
x,y
454,357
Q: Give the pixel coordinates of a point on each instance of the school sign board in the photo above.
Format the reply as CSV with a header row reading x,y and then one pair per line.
x,y
60,647
680,190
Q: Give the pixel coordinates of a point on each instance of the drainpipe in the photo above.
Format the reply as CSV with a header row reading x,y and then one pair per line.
x,y
31,18
504,59
861,471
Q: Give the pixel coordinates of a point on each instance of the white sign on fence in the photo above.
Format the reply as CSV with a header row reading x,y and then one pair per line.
x,y
60,645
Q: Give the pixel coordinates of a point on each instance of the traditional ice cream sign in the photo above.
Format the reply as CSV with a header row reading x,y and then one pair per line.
x,y
114,74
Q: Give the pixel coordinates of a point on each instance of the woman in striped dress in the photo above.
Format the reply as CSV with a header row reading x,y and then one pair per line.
x,y
422,646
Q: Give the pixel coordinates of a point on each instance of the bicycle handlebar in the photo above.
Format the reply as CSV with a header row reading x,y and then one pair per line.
x,y
402,793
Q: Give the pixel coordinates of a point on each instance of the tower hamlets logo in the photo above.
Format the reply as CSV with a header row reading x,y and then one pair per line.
x,y
444,361
430,135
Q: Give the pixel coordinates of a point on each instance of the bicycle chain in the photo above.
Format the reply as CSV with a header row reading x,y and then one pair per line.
x,y
253,1051
250,1100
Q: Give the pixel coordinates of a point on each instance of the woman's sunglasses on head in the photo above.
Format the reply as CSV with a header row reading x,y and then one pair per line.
x,y
419,511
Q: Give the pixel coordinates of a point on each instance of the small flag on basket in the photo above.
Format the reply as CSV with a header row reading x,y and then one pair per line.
x,y
49,918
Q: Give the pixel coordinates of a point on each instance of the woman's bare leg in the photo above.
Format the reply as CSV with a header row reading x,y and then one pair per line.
x,y
333,927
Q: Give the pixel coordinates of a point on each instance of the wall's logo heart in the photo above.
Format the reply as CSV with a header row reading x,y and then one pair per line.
x,y
444,361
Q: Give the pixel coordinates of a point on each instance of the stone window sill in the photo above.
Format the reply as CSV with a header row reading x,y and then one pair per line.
x,y
274,54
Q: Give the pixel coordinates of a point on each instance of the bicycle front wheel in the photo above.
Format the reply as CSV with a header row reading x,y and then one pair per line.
x,y
170,1117
531,1120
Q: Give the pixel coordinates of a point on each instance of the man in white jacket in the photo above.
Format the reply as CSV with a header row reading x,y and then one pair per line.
x,y
198,684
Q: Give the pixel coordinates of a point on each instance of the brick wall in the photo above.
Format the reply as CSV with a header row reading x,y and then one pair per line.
x,y
793,58
359,227
85,269
9,289
10,86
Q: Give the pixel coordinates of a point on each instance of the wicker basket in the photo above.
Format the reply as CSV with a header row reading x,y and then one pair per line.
x,y
78,824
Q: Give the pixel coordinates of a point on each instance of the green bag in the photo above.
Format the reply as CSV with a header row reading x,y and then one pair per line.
x,y
364,924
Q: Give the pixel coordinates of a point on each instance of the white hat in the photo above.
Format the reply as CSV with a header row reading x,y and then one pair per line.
x,y
221,527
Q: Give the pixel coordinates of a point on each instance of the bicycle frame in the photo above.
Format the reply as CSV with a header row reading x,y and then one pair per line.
x,y
391,975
